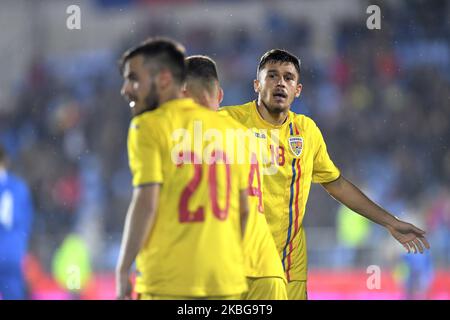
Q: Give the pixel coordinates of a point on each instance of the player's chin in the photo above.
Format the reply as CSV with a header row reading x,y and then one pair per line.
x,y
279,106
138,109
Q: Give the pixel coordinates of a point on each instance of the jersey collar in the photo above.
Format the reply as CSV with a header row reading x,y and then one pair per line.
x,y
178,102
257,118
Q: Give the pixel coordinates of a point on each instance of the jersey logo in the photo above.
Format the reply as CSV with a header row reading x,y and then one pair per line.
x,y
260,135
296,145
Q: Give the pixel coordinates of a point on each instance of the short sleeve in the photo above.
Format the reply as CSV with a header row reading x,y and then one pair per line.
x,y
144,152
244,177
324,169
242,149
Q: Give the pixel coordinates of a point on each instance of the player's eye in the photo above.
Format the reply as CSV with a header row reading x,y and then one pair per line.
x,y
132,77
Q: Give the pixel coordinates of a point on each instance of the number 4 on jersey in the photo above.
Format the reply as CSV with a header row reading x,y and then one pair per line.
x,y
255,191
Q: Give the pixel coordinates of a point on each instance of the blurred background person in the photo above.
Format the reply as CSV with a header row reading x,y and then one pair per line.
x,y
16,214
353,231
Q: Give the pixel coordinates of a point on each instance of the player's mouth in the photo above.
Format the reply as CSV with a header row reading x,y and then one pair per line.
x,y
131,101
280,96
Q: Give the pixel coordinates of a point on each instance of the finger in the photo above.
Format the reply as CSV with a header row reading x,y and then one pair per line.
x,y
425,242
418,245
416,249
406,247
412,247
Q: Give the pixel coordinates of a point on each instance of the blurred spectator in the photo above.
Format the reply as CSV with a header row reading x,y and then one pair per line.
x,y
16,214
352,232
419,275
438,224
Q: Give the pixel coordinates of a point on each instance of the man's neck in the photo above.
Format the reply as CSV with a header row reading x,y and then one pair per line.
x,y
276,119
172,95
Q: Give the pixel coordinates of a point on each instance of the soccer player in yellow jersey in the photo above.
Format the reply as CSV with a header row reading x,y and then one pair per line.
x,y
266,280
297,148
202,82
187,216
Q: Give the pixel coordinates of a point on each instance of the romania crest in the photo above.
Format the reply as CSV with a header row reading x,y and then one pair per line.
x,y
296,145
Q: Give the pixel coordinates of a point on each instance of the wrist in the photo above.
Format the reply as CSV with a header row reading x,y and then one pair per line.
x,y
392,222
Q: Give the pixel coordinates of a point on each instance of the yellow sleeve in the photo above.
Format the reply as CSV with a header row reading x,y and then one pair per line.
x,y
243,166
243,181
223,111
242,149
324,169
144,153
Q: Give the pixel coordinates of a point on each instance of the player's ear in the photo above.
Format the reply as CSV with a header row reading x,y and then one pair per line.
x,y
298,90
256,85
184,91
220,95
165,79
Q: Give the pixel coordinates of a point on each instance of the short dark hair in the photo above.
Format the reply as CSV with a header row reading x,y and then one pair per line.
x,y
279,55
166,52
201,67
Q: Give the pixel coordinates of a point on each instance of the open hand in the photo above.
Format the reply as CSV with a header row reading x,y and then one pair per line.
x,y
411,237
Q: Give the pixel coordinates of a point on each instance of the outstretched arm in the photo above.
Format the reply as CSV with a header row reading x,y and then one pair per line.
x,y
138,225
411,237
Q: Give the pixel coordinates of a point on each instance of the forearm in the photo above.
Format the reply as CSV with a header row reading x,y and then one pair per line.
x,y
130,244
138,224
349,195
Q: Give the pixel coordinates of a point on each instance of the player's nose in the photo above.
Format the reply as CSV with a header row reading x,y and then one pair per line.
x,y
281,82
125,90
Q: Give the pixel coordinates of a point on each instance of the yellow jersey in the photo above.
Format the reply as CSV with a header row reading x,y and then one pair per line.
x,y
296,156
260,252
195,246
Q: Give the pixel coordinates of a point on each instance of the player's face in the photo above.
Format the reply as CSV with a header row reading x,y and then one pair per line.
x,y
277,86
139,87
